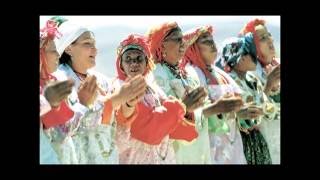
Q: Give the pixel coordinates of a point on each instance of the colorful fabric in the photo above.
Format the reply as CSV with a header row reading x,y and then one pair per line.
x,y
48,33
146,139
156,36
193,53
234,50
250,27
253,141
197,151
225,139
93,141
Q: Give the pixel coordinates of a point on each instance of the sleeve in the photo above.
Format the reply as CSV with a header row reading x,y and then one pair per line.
x,y
107,112
152,125
57,116
123,121
185,130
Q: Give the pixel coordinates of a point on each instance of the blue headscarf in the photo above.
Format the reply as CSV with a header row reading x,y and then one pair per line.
x,y
234,49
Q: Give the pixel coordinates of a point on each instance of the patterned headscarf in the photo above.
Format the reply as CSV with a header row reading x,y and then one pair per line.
x,y
234,49
133,41
250,27
156,36
49,32
193,53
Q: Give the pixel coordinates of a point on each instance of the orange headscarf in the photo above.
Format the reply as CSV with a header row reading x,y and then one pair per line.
x,y
250,27
135,40
155,37
193,53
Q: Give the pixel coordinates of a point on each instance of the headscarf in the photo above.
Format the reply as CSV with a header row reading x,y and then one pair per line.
x,y
193,53
234,49
70,32
250,27
49,32
133,41
156,36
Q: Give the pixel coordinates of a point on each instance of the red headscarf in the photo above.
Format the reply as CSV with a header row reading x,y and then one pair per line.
x,y
193,53
155,38
138,40
250,27
49,32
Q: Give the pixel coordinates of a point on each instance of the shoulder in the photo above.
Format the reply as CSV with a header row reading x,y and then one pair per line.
x,y
192,69
196,69
160,74
199,73
191,73
159,70
61,73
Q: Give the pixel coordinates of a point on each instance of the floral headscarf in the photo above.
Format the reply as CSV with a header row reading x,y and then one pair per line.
x,y
49,32
133,41
250,27
156,36
193,53
234,49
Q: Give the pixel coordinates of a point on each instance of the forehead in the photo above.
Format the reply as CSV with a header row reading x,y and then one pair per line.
x,y
132,52
86,35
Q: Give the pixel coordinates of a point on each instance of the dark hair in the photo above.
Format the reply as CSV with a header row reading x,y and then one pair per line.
x,y
66,58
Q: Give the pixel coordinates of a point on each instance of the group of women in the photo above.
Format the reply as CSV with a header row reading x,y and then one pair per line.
x,y
172,101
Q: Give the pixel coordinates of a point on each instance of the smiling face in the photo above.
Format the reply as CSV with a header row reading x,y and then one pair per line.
x,y
174,46
207,47
83,51
133,62
265,43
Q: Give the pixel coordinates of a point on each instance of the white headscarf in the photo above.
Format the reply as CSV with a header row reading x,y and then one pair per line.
x,y
70,32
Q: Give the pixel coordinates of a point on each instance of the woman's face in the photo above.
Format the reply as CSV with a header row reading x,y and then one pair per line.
x,y
83,52
173,46
52,56
246,64
207,47
266,43
133,62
